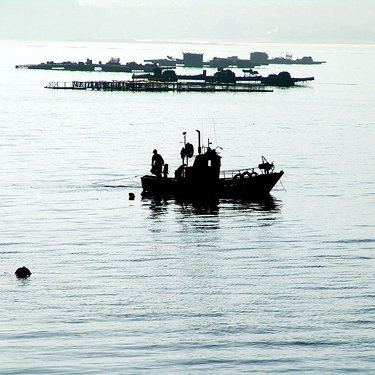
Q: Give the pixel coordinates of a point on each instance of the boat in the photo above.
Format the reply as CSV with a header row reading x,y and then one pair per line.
x,y
112,65
283,79
224,76
204,178
262,58
305,60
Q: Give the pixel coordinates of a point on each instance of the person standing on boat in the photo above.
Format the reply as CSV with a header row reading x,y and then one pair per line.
x,y
157,163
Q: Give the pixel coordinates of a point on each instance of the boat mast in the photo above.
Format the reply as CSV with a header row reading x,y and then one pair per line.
x,y
199,142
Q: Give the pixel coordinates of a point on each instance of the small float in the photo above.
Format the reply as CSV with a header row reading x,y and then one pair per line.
x,y
201,177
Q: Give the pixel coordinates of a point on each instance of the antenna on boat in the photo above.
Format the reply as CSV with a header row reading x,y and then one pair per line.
x,y
183,152
199,142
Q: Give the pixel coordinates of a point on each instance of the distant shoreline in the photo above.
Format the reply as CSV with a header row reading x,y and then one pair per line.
x,y
190,42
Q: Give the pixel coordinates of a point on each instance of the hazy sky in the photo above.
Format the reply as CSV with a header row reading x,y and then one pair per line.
x,y
315,21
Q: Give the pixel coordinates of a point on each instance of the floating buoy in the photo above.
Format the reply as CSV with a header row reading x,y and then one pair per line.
x,y
23,272
131,196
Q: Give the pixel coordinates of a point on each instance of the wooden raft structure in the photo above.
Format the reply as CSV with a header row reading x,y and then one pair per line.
x,y
157,86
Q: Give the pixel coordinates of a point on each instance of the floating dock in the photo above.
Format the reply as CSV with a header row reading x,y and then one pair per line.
x,y
224,76
157,86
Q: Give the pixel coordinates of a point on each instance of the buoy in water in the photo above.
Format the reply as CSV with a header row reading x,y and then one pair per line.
x,y
23,272
131,196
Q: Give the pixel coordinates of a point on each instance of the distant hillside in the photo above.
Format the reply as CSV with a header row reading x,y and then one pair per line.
x,y
316,21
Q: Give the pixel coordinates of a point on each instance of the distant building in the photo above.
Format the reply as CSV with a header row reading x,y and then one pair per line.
x,y
194,60
259,58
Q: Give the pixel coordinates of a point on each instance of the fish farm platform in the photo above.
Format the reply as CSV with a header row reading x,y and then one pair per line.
x,y
157,86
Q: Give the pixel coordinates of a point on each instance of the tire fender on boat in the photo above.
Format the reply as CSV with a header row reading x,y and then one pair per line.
x,y
248,174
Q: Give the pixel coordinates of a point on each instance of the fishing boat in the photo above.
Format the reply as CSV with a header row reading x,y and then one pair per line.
x,y
201,177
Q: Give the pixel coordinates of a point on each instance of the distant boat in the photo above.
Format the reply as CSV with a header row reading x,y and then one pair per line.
x,y
282,79
113,65
306,60
204,178
262,58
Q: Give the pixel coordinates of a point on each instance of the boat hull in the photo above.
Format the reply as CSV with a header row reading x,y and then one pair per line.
x,y
250,187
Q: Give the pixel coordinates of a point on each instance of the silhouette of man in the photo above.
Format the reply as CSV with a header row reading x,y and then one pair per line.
x,y
157,163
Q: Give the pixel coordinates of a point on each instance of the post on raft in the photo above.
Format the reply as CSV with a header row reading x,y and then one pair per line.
x,y
199,142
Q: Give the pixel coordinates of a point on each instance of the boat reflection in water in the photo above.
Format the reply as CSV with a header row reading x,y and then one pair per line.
x,y
212,207
265,204
160,205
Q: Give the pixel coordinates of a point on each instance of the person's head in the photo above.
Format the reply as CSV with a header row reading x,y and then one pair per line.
x,y
155,151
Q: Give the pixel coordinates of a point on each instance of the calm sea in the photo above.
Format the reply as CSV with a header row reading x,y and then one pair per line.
x,y
164,287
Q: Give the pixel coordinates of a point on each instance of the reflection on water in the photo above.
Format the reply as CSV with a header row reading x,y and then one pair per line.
x,y
212,206
158,206
199,206
208,224
266,204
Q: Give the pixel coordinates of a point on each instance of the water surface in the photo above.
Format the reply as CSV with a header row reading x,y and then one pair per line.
x,y
149,286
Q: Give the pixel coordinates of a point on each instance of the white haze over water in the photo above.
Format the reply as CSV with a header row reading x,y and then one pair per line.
x,y
274,21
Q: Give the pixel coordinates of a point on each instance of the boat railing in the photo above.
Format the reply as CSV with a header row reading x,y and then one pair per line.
x,y
229,174
62,85
74,85
53,85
